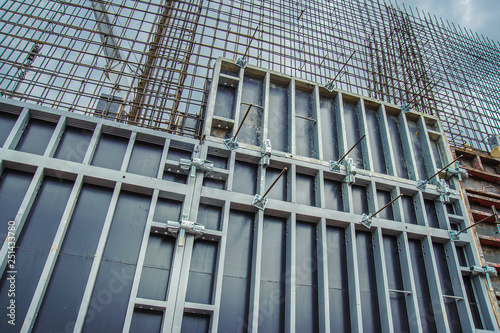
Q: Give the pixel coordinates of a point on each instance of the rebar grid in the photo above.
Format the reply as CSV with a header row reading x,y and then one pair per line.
x,y
149,63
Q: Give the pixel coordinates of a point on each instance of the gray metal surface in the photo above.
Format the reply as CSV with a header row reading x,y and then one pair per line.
x,y
305,263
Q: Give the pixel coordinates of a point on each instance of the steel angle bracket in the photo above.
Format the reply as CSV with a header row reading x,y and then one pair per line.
x,y
486,270
259,202
266,151
490,270
193,163
335,165
350,176
179,229
330,86
444,189
241,62
454,235
350,169
366,220
421,185
457,171
405,108
231,143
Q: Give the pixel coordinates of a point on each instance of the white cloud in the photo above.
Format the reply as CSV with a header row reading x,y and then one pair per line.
x,y
480,16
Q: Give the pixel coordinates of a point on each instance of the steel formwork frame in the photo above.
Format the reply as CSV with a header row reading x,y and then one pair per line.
x,y
56,54
236,196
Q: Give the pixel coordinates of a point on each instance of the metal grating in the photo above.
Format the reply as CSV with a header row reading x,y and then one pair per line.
x,y
157,57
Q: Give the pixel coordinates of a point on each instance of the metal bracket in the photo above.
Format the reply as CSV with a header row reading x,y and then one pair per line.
x,y
231,143
457,171
405,108
204,165
266,151
259,202
489,270
335,165
454,235
330,86
421,184
486,270
351,171
366,220
241,62
444,189
179,229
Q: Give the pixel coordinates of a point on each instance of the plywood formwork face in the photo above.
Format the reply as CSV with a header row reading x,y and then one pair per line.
x,y
91,200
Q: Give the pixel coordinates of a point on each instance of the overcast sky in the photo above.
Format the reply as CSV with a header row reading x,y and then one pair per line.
x,y
481,16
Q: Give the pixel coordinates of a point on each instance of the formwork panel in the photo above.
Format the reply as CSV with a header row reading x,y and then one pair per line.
x,y
64,294
280,189
226,99
41,225
376,146
418,149
432,218
397,146
383,197
305,128
86,224
110,152
337,280
353,133
211,216
424,298
192,322
36,136
110,297
447,287
13,187
409,214
145,159
251,130
305,261
359,197
328,117
146,321
272,284
307,279
155,271
398,294
367,283
128,223
473,304
279,117
74,144
234,310
201,272
167,209
333,195
7,121
30,264
245,177
307,193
